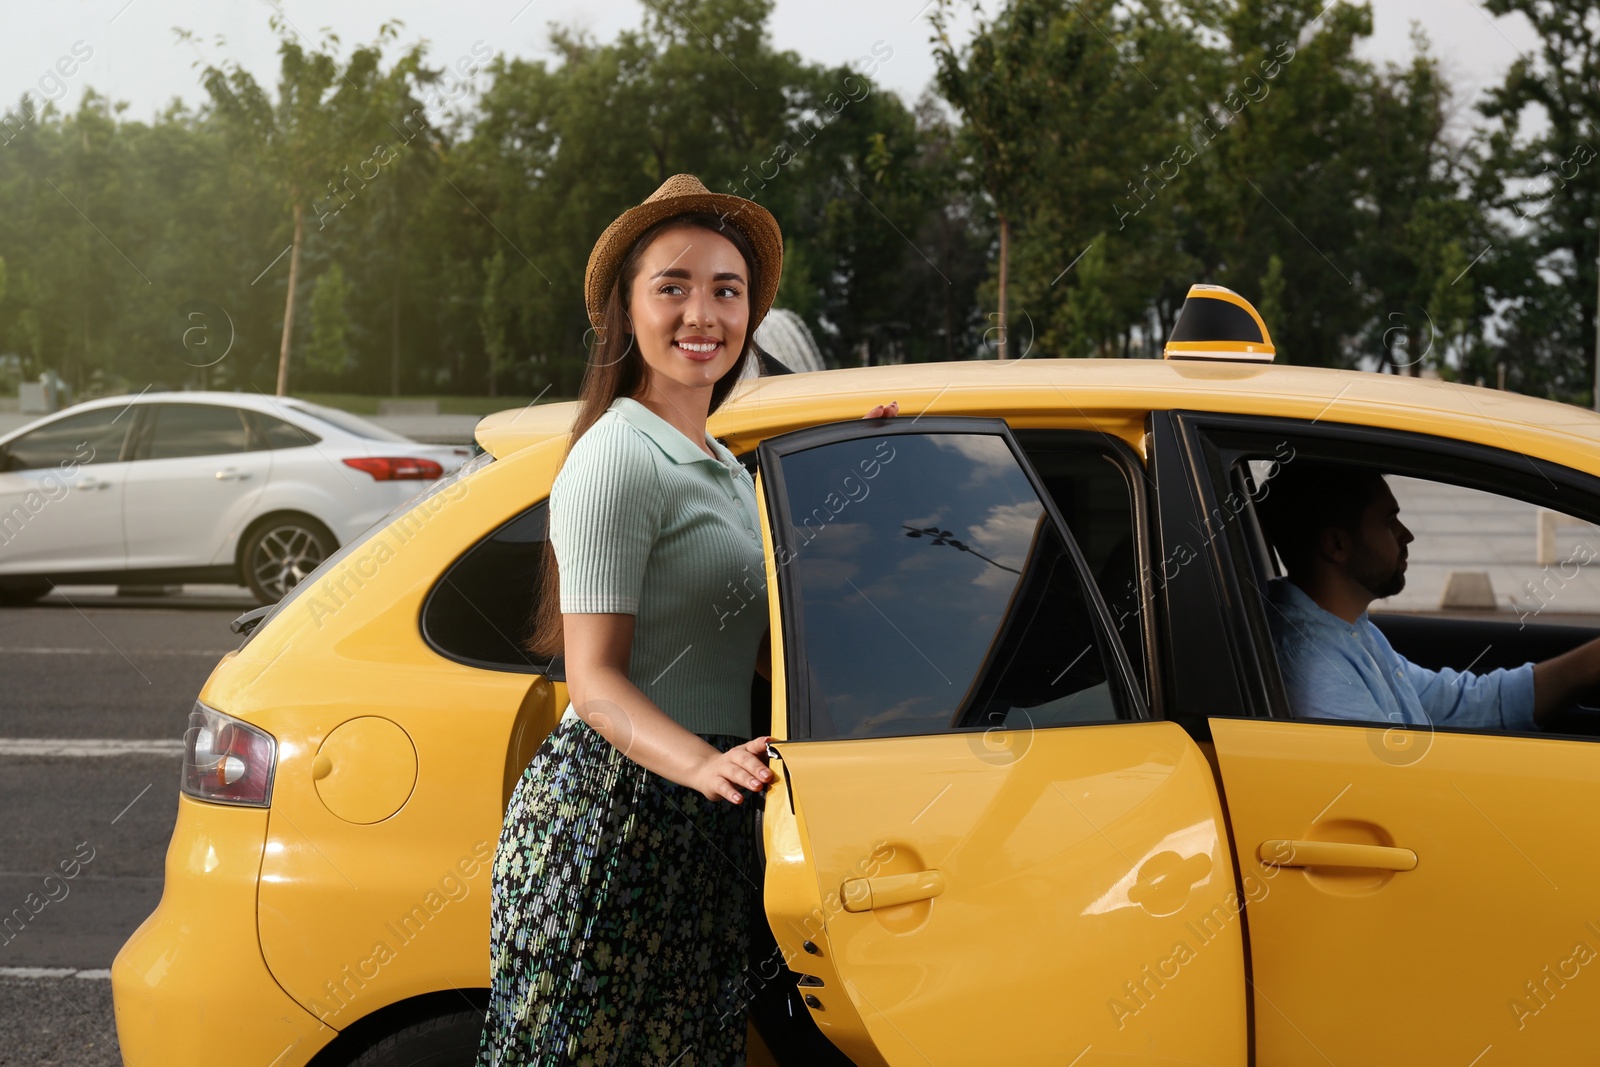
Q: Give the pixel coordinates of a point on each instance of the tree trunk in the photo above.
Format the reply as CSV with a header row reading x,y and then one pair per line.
x,y
949,327
288,303
394,309
1005,243
394,332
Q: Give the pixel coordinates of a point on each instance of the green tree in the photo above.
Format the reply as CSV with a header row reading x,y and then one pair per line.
x,y
1090,316
998,83
1071,115
1271,288
314,140
834,157
329,350
1541,170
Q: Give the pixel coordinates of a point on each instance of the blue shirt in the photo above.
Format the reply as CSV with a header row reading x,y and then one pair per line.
x,y
1334,669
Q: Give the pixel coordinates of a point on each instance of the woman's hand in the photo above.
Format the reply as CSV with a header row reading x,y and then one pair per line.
x,y
884,411
741,767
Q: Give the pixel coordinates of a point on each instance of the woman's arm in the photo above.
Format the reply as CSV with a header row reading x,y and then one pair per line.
x,y
597,650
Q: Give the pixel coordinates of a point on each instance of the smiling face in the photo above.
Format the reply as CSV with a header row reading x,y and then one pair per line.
x,y
690,308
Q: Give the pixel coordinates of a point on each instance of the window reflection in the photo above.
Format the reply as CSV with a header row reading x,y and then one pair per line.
x,y
934,591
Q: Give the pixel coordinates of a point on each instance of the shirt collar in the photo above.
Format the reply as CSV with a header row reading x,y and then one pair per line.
x,y
666,436
1297,603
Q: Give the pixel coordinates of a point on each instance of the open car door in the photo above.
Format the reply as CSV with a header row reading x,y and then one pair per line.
x,y
979,847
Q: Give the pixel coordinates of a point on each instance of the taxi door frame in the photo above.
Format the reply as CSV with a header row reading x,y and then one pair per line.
x,y
1200,447
769,453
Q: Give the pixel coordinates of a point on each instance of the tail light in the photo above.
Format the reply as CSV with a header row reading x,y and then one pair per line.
x,y
227,761
396,468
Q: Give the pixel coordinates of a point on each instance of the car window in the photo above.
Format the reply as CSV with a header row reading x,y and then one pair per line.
x,y
1479,552
347,422
183,430
90,437
1494,577
1094,485
929,590
273,432
481,610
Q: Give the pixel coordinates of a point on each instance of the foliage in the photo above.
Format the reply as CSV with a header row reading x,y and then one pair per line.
x,y
1541,176
1118,151
329,350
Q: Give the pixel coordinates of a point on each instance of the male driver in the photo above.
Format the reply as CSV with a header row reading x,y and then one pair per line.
x,y
1339,534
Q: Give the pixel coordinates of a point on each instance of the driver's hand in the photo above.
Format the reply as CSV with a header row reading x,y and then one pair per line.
x,y
884,411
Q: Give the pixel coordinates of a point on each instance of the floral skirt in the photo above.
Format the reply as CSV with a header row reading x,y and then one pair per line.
x,y
619,918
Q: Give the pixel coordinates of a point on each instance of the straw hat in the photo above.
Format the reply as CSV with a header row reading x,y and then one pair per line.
x,y
679,194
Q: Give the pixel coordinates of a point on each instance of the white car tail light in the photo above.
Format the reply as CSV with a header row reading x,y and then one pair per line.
x,y
227,761
396,468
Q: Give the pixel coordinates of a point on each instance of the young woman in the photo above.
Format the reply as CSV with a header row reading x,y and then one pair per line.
x,y
626,867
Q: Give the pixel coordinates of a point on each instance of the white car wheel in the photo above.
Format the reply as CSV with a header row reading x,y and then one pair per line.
x,y
282,552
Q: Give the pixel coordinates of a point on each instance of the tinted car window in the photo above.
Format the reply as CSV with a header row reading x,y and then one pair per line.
x,y
932,591
1095,494
92,437
481,610
272,432
196,430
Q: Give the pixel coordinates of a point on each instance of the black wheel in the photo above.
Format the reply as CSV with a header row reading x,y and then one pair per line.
x,y
281,551
443,1041
16,596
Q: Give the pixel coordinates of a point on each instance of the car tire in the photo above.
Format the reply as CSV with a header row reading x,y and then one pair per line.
x,y
443,1041
280,551
16,596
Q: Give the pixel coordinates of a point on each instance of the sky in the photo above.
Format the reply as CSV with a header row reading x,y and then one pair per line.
x,y
128,50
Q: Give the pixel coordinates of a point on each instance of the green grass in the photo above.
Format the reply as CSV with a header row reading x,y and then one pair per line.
x,y
358,404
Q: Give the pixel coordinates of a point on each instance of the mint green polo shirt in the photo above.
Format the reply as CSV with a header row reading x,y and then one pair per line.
x,y
645,524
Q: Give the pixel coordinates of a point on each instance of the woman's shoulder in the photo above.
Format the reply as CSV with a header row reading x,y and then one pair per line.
x,y
610,439
611,451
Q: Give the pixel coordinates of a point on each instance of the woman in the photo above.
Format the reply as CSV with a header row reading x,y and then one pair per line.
x,y
626,865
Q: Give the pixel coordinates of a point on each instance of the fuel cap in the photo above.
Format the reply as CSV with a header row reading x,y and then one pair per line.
x,y
365,769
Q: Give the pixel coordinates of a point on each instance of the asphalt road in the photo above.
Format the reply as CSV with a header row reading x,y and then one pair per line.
x,y
89,666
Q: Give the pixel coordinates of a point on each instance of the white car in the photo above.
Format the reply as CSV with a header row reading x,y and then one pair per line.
x,y
197,487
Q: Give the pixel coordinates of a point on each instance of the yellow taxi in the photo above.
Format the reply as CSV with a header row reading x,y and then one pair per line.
x,y
1039,798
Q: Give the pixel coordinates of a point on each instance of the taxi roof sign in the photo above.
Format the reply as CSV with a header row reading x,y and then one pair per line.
x,y
1218,323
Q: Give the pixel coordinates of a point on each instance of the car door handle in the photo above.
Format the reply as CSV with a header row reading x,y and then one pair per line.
x,y
228,474
1283,853
94,485
864,894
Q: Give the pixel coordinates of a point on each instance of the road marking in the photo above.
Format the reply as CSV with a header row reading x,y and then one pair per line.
x,y
52,972
89,746
107,651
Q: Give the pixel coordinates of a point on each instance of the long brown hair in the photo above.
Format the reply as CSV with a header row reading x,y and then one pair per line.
x,y
615,369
